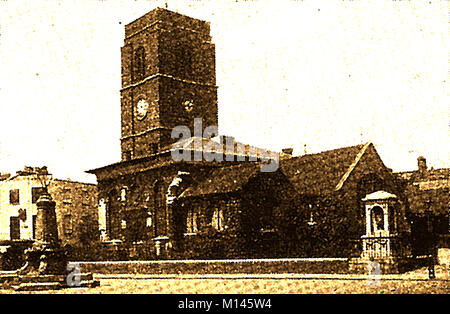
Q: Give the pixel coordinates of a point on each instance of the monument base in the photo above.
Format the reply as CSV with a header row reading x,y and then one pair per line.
x,y
390,265
54,282
46,268
36,282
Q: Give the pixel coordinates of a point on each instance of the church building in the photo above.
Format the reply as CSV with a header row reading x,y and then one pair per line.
x,y
183,191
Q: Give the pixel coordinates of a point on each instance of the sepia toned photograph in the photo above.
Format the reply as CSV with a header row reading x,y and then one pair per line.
x,y
235,150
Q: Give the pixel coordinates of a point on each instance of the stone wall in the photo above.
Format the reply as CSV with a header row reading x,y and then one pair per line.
x,y
252,266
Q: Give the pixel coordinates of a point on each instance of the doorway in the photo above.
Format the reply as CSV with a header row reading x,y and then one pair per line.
x,y
14,227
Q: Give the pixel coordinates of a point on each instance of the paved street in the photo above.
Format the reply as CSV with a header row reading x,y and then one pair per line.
x,y
242,286
409,283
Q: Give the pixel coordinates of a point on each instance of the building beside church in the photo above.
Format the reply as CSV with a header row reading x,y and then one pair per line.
x,y
428,199
181,190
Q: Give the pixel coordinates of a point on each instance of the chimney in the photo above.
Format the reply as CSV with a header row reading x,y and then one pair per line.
x,y
422,164
4,176
288,151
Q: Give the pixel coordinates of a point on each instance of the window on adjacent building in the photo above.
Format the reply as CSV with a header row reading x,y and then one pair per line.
x,y
14,197
14,228
67,224
191,222
218,221
36,192
34,217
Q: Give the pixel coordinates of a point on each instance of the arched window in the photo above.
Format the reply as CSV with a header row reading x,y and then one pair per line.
x,y
159,209
191,220
184,56
110,213
139,64
218,221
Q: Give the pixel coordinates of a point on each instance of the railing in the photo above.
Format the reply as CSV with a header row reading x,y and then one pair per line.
x,y
378,247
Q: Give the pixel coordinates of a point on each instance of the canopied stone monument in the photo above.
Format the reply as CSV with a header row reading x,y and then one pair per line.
x,y
383,244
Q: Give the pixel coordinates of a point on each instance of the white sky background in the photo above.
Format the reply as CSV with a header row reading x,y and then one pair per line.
x,y
289,73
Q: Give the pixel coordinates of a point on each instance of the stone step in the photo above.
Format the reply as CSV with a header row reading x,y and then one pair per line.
x,y
38,286
41,278
84,284
8,279
53,278
52,282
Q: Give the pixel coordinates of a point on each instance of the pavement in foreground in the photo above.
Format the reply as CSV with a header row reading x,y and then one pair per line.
x,y
416,282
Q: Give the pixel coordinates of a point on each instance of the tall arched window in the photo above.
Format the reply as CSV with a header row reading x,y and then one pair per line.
x,y
109,204
139,64
159,209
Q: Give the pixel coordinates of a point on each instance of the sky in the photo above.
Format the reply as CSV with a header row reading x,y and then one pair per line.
x,y
325,74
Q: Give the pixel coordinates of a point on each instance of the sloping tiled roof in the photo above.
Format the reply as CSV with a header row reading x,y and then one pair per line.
x,y
224,180
322,173
317,174
428,190
436,200
440,176
214,145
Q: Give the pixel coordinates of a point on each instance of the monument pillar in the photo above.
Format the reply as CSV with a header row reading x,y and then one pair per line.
x,y
46,225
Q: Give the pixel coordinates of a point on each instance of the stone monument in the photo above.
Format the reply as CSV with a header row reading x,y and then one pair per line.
x,y
46,266
383,247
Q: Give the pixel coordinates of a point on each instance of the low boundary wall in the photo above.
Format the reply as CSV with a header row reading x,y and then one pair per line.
x,y
238,266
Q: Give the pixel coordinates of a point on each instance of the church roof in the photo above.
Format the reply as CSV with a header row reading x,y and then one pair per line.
x,y
224,180
315,174
325,172
225,145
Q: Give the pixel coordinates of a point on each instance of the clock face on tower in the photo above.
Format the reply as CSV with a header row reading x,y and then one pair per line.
x,y
188,105
141,109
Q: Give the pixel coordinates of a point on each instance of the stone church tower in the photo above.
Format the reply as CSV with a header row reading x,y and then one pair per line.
x,y
168,79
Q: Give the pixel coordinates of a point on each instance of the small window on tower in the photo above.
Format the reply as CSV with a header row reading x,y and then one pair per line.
x,y
127,155
139,64
185,60
154,148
